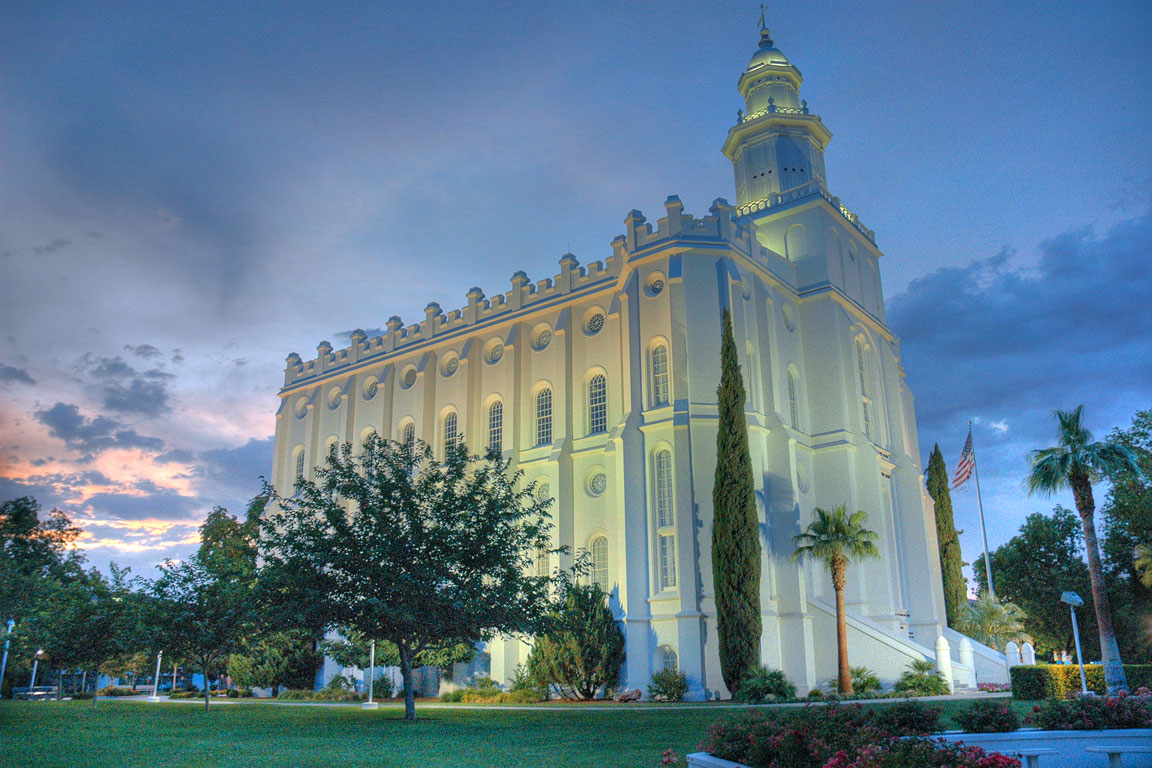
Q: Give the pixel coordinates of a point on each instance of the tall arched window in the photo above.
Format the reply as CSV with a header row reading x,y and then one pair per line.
x,y
597,404
793,402
543,561
332,449
544,416
496,427
599,552
665,518
450,432
669,661
659,365
409,436
865,400
298,477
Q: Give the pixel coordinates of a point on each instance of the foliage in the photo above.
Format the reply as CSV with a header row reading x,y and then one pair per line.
x,y
1057,681
581,649
735,526
112,690
324,694
763,684
402,547
921,753
352,649
993,622
835,538
1142,560
922,679
1093,713
907,718
1077,462
864,680
286,658
1034,568
525,685
988,716
948,538
668,685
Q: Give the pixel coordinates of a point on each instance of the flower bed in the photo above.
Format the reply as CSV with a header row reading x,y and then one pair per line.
x,y
1091,713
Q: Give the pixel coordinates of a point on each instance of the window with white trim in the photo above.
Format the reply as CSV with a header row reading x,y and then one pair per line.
x,y
599,552
543,561
544,416
865,400
299,476
664,494
669,661
409,436
660,384
667,555
597,404
793,403
451,436
496,427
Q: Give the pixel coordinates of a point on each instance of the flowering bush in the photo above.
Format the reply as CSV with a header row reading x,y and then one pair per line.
x,y
670,758
920,753
994,687
907,718
1093,713
988,716
668,685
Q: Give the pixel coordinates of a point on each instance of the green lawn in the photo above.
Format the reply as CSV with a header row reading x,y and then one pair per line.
x,y
125,734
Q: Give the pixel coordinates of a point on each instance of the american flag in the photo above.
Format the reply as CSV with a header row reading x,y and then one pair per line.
x,y
966,465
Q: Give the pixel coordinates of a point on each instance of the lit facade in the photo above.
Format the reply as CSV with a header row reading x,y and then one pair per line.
x,y
600,383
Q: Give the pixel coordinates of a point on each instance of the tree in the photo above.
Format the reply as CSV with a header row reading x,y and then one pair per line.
x,y
1142,560
735,527
993,622
206,603
951,562
1077,462
834,538
582,649
352,649
273,659
401,547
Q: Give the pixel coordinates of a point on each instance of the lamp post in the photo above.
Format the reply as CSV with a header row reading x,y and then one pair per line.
x,y
156,679
370,704
35,663
1074,601
7,640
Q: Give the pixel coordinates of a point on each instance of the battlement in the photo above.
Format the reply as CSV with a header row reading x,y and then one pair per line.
x,y
718,227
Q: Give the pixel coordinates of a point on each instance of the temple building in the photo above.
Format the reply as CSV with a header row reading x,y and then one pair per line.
x,y
600,383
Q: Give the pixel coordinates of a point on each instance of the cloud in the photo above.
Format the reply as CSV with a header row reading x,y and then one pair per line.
x,y
175,456
236,471
15,375
146,351
154,502
127,390
92,435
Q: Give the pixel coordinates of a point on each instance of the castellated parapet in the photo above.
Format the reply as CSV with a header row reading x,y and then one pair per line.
x,y
720,227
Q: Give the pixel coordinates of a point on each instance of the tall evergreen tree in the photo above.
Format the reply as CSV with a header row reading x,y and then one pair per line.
x,y
951,564
735,529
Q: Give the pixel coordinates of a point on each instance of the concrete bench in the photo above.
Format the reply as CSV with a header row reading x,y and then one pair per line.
x,y
1115,753
1032,756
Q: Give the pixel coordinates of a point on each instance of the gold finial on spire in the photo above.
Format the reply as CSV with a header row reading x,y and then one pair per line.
x,y
765,35
763,10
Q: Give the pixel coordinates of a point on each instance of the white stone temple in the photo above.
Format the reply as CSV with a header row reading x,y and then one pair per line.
x,y
600,383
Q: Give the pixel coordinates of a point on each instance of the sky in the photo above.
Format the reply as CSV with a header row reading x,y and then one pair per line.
x,y
190,191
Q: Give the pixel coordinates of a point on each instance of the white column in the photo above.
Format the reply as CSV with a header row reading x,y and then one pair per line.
x,y
1028,653
944,662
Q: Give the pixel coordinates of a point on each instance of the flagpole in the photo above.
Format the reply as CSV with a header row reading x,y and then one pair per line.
x,y
980,506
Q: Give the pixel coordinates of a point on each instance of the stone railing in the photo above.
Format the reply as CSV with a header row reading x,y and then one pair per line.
x,y
810,189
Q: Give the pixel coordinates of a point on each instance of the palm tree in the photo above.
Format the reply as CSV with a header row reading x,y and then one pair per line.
x,y
994,623
1077,462
1143,564
834,538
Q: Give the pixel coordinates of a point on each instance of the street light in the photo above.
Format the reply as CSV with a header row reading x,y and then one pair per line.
x,y
1074,601
4,664
370,704
156,679
35,663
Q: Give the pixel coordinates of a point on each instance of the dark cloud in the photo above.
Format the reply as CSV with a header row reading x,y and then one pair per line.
x,y
177,456
155,502
92,435
346,336
145,351
236,472
15,375
40,250
127,390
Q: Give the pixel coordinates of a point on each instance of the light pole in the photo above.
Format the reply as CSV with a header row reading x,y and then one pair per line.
x,y
156,679
7,640
370,704
1074,600
35,663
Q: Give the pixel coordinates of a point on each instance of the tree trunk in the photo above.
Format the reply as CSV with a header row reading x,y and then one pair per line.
x,y
409,691
843,675
204,666
1114,678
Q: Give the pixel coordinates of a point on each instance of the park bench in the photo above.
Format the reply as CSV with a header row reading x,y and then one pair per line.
x,y
1116,752
39,693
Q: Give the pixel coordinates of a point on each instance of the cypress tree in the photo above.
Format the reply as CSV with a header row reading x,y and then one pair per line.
x,y
951,564
735,528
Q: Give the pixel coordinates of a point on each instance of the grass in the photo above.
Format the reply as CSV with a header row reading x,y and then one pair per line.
x,y
126,734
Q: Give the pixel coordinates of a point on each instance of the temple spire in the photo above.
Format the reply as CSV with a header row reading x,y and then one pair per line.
x,y
765,34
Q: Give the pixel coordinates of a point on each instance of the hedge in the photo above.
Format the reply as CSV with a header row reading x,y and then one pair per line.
x,y
1056,681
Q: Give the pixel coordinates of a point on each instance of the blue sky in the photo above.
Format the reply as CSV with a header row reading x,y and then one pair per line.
x,y
189,192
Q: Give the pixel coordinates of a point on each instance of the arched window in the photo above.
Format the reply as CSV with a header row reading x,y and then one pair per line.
x,y
659,366
669,661
451,438
599,552
667,554
543,561
662,475
496,427
408,436
544,416
332,449
298,478
865,400
793,403
597,404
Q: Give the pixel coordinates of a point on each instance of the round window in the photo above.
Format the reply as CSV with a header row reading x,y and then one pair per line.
x,y
495,352
597,484
543,338
595,323
408,378
335,395
450,365
789,316
371,387
656,286
302,407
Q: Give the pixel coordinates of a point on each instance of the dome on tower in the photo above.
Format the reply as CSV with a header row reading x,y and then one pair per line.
x,y
767,53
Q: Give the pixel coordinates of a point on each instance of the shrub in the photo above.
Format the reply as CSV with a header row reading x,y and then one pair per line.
x,y
452,697
525,686
1092,713
988,716
245,693
112,690
668,685
232,693
907,718
294,694
1057,681
994,687
864,680
184,695
83,695
922,679
920,753
382,687
765,684
582,651
325,694
815,694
